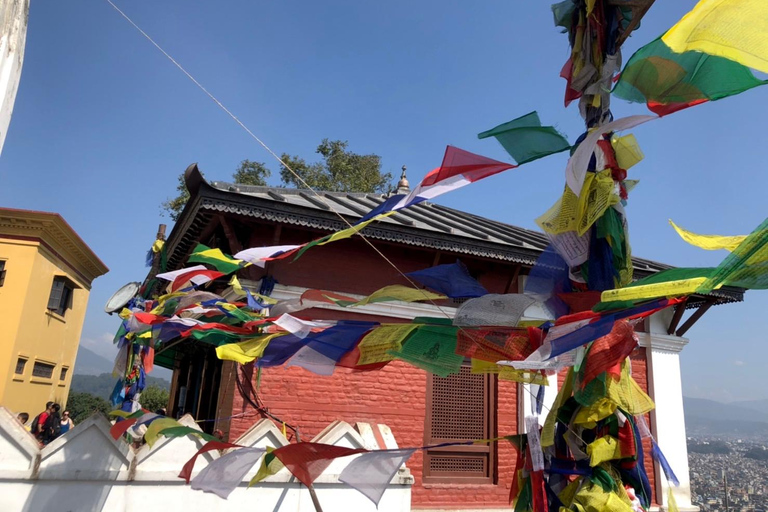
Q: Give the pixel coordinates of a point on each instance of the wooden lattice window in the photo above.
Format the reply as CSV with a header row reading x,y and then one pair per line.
x,y
43,370
460,407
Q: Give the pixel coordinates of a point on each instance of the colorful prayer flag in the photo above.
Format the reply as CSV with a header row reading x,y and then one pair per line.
x,y
451,279
526,140
214,257
223,475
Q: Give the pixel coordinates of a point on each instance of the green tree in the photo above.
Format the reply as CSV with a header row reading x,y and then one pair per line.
x,y
252,173
339,171
82,405
154,398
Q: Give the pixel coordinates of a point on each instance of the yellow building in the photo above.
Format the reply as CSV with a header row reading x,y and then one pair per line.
x,y
46,272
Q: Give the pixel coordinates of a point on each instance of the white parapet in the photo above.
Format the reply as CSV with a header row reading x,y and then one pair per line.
x,y
85,469
14,16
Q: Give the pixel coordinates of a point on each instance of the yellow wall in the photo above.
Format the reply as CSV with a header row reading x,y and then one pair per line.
x,y
36,248
45,336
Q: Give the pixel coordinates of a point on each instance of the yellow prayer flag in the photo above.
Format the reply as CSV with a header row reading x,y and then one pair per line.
x,y
602,450
375,345
399,292
245,351
677,288
153,431
734,29
285,434
265,469
236,286
157,246
671,501
709,242
627,150
118,412
548,431
346,233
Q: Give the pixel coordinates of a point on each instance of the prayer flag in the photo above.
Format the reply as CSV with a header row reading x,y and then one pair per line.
x,y
196,277
223,475
660,77
375,345
432,348
245,351
215,258
459,168
371,472
401,293
526,140
709,242
153,431
171,276
341,235
270,465
189,466
734,29
452,279
307,461
259,255
279,350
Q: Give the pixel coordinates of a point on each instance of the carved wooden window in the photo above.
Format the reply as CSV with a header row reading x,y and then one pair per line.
x,y
460,407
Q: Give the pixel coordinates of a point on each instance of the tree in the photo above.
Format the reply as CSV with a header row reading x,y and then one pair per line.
x,y
82,405
252,173
340,171
154,398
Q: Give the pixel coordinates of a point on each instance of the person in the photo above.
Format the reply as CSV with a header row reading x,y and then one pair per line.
x,y
37,424
23,418
52,425
66,423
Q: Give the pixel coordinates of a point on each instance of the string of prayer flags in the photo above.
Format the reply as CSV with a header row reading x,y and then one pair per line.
x,y
451,279
260,255
189,466
734,29
526,140
339,235
214,257
371,472
245,351
279,350
667,81
307,461
709,242
223,475
459,169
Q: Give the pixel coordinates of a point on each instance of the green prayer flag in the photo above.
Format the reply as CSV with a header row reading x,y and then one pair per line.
x,y
217,337
746,266
215,258
432,348
656,74
184,431
526,140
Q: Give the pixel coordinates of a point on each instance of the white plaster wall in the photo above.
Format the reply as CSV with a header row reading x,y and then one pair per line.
x,y
87,470
14,16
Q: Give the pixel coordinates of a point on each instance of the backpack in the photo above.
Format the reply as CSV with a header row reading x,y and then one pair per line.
x,y
35,427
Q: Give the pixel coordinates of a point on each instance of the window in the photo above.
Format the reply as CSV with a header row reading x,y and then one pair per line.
x,y
21,363
43,370
63,375
2,272
61,295
460,407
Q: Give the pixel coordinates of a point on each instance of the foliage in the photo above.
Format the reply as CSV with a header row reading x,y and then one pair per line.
x,y
173,206
154,398
102,385
82,405
340,171
252,173
757,453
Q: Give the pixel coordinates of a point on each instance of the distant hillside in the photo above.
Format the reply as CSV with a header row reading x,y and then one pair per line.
x,y
89,362
758,405
707,417
103,384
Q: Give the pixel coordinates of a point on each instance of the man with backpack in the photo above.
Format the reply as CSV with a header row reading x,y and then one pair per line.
x,y
38,423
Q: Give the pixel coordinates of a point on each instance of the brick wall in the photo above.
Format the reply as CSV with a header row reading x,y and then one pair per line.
x,y
639,361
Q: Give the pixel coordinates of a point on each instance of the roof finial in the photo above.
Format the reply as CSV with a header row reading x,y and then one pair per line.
x,y
403,187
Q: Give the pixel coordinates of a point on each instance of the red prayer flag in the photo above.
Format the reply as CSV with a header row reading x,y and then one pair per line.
x,y
469,165
307,461
208,275
186,471
119,428
609,351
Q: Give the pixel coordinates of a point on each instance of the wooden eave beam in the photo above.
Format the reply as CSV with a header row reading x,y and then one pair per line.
x,y
679,310
695,316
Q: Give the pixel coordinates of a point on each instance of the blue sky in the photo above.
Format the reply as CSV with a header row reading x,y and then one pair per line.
x,y
103,125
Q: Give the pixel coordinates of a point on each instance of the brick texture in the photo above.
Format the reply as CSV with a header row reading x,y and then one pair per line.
x,y
639,362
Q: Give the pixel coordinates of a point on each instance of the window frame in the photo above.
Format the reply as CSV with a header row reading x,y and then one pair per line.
x,y
59,301
488,450
24,360
3,272
43,363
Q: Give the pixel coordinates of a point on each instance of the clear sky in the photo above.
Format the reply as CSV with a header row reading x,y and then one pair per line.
x,y
104,124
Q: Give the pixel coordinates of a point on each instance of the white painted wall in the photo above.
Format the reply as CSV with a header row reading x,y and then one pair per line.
x,y
14,15
87,470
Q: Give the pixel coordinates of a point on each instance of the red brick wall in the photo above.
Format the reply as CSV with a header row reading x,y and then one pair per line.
x,y
639,361
395,396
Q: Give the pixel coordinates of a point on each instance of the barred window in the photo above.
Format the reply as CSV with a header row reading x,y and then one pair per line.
x,y
43,370
21,363
460,407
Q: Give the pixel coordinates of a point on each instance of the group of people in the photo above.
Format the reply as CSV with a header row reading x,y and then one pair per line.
x,y
49,424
